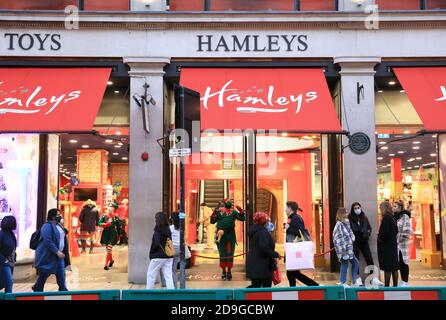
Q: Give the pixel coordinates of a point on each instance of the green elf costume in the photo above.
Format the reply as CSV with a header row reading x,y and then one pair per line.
x,y
109,237
225,219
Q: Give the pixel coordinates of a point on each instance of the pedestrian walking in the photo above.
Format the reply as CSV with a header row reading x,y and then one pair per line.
x,y
52,253
261,261
343,239
89,218
295,228
404,226
161,253
360,225
110,223
387,245
8,245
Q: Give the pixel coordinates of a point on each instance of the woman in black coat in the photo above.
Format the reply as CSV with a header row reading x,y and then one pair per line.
x,y
8,245
387,245
261,261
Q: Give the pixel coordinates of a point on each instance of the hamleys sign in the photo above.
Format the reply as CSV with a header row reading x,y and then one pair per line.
x,y
280,99
50,100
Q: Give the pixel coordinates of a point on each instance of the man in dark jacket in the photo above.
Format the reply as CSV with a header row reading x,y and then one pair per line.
x,y
296,228
52,253
89,218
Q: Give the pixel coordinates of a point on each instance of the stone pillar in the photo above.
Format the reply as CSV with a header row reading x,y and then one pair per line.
x,y
145,177
360,175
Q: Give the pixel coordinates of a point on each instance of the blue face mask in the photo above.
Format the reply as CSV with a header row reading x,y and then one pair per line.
x,y
270,226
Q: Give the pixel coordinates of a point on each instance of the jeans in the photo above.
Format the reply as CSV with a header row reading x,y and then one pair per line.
x,y
8,280
60,277
344,269
404,269
155,266
364,248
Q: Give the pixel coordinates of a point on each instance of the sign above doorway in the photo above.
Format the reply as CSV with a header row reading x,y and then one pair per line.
x,y
272,99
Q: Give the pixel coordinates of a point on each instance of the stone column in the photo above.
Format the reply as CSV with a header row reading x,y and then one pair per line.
x,y
145,177
360,175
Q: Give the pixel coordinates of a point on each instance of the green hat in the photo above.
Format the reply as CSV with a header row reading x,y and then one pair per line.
x,y
228,204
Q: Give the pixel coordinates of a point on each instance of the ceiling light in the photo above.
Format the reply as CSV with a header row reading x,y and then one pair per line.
x,y
418,158
118,133
382,142
280,159
380,158
108,141
314,137
409,168
380,91
73,141
417,166
415,148
400,152
433,154
110,83
116,154
116,91
125,158
117,146
434,136
402,91
120,143
416,142
385,148
284,134
391,154
411,159
406,132
392,83
85,146
61,165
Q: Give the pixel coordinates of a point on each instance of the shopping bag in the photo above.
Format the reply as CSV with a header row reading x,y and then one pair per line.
x,y
299,255
277,276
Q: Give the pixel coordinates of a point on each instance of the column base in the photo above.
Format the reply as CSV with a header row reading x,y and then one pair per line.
x,y
431,259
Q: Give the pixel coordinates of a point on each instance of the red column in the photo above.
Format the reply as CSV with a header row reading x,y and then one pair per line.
x,y
396,179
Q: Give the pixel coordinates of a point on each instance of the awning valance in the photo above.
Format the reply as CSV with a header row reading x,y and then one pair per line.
x,y
50,99
243,98
426,89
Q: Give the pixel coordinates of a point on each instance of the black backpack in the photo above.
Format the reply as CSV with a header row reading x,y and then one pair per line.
x,y
35,239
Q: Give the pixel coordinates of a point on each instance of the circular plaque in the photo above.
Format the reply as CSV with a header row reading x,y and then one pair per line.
x,y
359,143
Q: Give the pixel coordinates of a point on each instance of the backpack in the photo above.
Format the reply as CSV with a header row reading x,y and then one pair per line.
x,y
168,248
34,241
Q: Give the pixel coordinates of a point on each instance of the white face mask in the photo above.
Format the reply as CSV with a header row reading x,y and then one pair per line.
x,y
358,211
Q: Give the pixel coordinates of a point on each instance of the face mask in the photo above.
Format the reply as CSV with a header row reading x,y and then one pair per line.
x,y
358,211
269,226
58,219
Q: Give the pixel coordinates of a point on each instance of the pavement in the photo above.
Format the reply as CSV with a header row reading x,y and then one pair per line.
x,y
88,274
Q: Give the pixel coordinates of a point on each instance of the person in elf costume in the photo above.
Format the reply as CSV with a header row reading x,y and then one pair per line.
x,y
225,218
110,223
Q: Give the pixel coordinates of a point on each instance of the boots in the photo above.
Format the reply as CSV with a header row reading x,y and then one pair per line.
x,y
91,247
223,274
229,275
84,246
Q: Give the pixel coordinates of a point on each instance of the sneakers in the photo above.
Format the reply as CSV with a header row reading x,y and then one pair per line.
x,y
403,284
105,268
110,264
358,282
376,282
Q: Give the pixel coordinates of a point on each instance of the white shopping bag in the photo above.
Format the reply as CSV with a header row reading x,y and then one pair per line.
x,y
299,255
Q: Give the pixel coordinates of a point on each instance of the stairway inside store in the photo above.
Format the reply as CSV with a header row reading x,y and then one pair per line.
x,y
214,191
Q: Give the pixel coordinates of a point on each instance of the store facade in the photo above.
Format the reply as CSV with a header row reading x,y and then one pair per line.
x,y
158,47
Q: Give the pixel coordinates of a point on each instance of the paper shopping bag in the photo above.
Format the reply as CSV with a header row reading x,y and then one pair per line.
x,y
299,255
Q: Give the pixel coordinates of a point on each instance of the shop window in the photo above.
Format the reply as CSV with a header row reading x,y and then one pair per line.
x,y
317,5
109,5
36,4
399,4
435,4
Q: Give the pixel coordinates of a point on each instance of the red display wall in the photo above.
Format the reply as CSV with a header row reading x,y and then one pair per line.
x,y
109,5
317,5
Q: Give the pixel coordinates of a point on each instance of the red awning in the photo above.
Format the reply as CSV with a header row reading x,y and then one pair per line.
x,y
426,89
50,100
283,99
